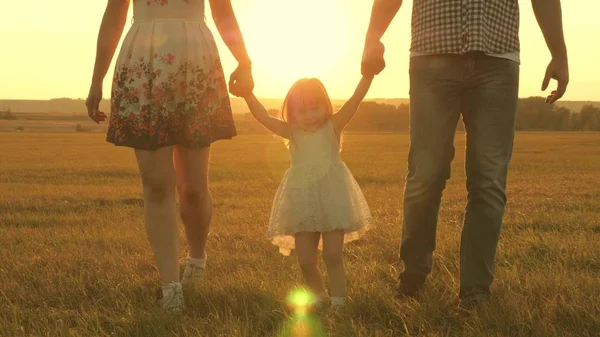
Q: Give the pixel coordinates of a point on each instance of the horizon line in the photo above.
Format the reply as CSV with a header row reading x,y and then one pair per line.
x,y
274,98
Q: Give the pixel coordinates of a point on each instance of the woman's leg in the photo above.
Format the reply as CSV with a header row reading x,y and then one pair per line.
x,y
333,245
194,196
158,180
306,249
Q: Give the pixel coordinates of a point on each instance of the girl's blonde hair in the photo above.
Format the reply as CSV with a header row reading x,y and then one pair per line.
x,y
305,91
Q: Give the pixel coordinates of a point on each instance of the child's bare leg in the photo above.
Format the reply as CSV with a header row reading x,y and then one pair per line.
x,y
333,244
306,249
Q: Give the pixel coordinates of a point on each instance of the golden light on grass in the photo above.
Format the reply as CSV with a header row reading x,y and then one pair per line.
x,y
75,258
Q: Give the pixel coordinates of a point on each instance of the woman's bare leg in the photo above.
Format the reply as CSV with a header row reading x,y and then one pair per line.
x,y
194,196
158,180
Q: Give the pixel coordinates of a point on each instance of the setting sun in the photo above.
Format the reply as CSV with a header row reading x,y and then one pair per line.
x,y
306,43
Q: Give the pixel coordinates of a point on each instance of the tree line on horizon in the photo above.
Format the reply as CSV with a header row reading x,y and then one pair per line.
x,y
533,114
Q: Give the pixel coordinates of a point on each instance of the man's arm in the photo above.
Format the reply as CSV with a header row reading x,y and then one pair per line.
x,y
548,14
382,14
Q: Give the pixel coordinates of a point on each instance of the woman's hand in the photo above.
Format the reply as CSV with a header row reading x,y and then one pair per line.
x,y
93,104
111,28
241,82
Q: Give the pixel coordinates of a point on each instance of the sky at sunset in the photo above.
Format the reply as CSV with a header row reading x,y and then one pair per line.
x,y
48,47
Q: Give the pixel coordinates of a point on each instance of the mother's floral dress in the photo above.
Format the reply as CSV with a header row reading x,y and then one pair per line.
x,y
168,86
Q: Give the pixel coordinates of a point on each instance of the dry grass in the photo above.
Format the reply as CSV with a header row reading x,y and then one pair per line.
x,y
74,260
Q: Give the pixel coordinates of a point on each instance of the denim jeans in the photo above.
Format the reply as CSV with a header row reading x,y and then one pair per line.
x,y
484,90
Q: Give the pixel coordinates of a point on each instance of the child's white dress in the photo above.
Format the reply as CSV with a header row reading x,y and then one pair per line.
x,y
317,193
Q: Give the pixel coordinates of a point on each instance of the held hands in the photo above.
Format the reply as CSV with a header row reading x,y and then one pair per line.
x,y
241,82
372,60
558,69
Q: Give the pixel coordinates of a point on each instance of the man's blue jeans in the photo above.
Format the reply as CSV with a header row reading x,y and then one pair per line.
x,y
484,90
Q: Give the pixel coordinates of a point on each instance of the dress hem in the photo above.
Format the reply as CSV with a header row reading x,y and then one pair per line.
x,y
136,145
286,243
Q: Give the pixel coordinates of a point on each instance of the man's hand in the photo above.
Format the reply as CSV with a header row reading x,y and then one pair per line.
x,y
372,60
241,82
548,14
558,69
382,14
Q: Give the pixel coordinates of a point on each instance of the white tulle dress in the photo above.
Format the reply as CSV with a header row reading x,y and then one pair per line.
x,y
317,193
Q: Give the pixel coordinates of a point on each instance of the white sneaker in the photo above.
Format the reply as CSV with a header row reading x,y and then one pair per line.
x,y
192,274
172,297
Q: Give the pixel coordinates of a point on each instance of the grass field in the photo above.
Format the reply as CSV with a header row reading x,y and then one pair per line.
x,y
74,260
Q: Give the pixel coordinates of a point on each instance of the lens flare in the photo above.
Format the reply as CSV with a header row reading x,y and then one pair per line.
x,y
300,301
302,324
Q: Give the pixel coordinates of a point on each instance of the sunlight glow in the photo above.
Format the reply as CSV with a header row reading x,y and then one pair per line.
x,y
306,43
286,40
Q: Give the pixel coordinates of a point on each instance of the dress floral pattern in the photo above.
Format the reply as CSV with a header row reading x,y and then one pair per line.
x,y
168,86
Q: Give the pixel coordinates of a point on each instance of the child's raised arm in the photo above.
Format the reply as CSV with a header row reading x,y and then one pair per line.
x,y
341,118
275,125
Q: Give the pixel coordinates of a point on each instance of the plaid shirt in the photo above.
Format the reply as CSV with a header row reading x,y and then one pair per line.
x,y
459,26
